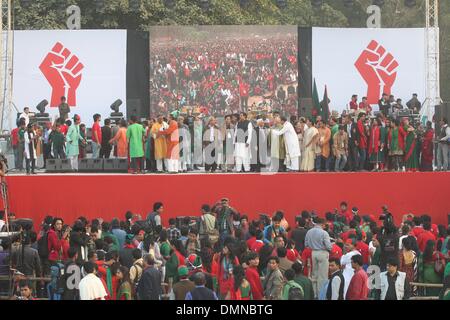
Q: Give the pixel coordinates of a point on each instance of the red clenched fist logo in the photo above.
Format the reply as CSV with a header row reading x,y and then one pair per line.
x,y
62,69
378,69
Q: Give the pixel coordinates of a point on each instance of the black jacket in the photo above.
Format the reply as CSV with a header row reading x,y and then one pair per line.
x,y
26,261
149,287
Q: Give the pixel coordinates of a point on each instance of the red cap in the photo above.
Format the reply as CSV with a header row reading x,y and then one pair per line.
x,y
141,233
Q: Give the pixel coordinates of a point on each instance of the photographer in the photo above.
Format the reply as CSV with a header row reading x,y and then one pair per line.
x,y
58,243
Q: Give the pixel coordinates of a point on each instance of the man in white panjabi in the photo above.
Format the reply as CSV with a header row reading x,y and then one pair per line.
x,y
309,139
242,140
292,144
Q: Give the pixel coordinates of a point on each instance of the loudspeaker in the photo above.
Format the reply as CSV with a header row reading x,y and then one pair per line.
x,y
448,219
66,166
122,165
52,165
108,165
97,165
83,165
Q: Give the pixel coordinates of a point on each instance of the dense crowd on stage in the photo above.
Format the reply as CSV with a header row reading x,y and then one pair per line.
x,y
222,76
221,254
356,140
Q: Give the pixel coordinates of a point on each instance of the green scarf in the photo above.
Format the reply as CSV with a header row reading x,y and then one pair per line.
x,y
109,281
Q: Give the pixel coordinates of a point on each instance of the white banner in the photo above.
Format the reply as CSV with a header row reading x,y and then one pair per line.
x,y
88,67
368,62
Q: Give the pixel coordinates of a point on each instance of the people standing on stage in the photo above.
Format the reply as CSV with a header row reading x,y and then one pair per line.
x,y
427,154
30,149
340,149
323,145
160,143
185,145
242,139
260,146
64,109
311,136
396,145
96,136
277,147
212,143
228,146
411,153
291,142
361,141
105,150
82,145
57,143
135,138
172,137
443,146
73,139
121,140
375,146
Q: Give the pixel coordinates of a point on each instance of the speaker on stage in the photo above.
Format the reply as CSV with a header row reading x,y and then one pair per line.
x,y
122,165
66,166
108,165
52,166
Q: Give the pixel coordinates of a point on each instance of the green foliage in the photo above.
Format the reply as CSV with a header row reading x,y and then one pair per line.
x,y
50,14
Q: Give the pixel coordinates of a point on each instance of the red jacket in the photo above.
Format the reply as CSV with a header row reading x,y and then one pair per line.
x,y
252,276
57,248
292,255
363,248
358,289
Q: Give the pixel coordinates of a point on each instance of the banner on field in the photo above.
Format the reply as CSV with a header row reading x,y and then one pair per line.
x,y
88,67
369,62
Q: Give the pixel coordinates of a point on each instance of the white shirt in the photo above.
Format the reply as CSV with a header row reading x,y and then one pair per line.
x,y
26,117
2,223
211,134
91,288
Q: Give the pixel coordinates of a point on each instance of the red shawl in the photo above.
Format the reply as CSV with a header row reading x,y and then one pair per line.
x,y
374,140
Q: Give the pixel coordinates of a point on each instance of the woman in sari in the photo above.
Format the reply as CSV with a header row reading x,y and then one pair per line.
x,y
310,138
427,149
125,291
225,266
408,262
411,152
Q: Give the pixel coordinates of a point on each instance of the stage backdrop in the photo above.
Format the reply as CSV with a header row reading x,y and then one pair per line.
x,y
368,62
86,66
223,69
108,196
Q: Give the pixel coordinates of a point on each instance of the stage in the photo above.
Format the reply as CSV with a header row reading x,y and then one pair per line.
x,y
111,195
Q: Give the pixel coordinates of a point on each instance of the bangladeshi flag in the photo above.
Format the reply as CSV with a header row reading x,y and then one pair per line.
x,y
316,102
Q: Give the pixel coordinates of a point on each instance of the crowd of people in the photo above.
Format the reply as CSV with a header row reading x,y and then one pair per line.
x,y
222,254
355,141
224,76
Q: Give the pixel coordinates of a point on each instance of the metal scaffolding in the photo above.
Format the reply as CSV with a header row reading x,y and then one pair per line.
x,y
433,97
6,65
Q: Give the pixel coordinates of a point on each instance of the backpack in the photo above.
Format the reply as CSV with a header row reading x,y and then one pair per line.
x,y
135,283
43,246
295,293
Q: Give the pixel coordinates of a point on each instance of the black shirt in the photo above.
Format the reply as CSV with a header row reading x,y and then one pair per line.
x,y
391,294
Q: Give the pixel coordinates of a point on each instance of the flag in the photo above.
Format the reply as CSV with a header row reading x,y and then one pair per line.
x,y
325,108
316,102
